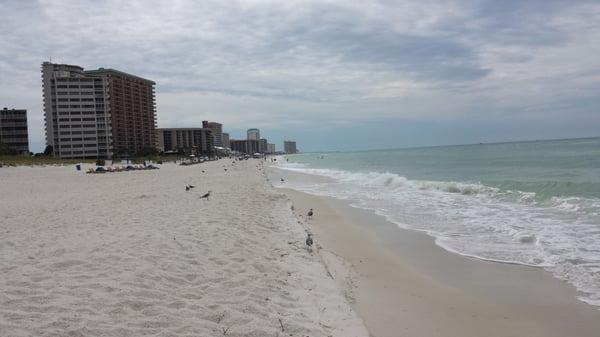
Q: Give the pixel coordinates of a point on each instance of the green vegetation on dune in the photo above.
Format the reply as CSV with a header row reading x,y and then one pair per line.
x,y
19,160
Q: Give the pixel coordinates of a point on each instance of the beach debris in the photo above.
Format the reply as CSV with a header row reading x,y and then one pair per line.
x,y
205,196
281,324
310,213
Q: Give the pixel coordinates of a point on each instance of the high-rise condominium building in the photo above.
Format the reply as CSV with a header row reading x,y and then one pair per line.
x,y
132,110
270,148
13,130
263,145
90,114
289,146
248,146
76,112
190,140
217,131
225,137
253,134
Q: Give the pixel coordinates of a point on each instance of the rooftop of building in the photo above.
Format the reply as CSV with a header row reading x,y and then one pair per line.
x,y
12,111
181,129
63,65
102,71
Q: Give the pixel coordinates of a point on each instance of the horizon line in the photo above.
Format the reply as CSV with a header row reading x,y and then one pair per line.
x,y
450,145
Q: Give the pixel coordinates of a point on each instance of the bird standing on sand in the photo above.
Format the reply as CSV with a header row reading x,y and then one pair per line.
x,y
310,213
309,242
282,180
206,196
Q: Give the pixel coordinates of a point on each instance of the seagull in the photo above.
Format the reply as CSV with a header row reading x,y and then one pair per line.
x,y
310,213
187,188
309,242
282,180
206,196
192,186
203,171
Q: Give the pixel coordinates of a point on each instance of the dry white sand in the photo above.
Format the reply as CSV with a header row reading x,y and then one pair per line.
x,y
133,253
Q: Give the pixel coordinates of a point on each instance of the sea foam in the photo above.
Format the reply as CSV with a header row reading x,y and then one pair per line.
x,y
560,234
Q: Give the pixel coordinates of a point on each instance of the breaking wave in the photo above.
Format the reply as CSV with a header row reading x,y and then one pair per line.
x,y
507,222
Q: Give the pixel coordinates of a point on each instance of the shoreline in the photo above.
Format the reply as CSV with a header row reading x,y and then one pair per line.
x,y
406,283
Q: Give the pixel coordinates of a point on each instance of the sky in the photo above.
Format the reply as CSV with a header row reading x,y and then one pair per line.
x,y
330,74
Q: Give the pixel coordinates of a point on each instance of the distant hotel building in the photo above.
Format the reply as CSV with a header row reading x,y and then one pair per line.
x,y
190,140
253,134
289,147
13,130
90,114
270,148
248,146
217,131
225,137
262,146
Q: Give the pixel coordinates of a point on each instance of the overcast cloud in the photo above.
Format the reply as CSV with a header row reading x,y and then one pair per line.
x,y
327,73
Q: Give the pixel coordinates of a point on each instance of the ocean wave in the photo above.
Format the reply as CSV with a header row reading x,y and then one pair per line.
x,y
558,233
394,181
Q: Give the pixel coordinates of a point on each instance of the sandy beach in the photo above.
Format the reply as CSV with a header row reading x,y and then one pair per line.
x,y
404,285
133,253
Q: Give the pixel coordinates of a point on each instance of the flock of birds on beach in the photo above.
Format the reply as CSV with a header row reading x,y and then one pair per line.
x,y
309,215
309,239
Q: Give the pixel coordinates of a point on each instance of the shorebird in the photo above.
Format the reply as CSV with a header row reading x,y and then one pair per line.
x,y
206,196
310,213
187,188
192,186
282,180
309,242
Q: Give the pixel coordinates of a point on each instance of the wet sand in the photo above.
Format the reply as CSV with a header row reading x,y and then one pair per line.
x,y
402,284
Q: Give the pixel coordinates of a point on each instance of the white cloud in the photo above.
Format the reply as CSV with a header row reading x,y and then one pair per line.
x,y
273,63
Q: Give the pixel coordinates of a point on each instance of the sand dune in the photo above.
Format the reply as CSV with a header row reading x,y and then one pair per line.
x,y
133,253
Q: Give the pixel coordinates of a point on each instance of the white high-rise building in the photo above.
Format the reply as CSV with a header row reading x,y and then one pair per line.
x,y
253,134
77,118
95,113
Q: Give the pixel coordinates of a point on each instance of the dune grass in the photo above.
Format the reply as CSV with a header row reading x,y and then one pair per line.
x,y
41,160
18,160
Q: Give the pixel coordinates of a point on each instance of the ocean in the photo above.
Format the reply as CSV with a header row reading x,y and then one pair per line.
x,y
532,203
